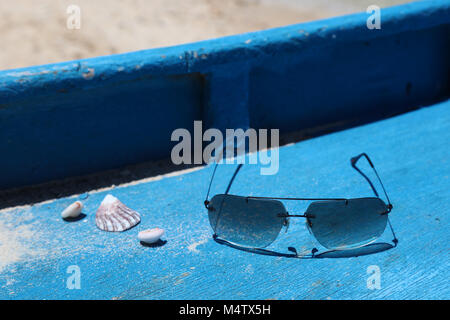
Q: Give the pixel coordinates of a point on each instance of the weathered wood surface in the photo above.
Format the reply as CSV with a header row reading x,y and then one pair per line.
x,y
411,153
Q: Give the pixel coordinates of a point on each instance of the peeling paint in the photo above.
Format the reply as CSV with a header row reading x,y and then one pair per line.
x,y
89,74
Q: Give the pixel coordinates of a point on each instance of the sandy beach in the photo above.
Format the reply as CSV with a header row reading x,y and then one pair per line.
x,y
35,32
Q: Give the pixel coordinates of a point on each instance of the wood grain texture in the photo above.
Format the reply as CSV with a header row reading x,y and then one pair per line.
x,y
411,153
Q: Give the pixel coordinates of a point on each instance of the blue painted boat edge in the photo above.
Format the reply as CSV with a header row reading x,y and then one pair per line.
x,y
188,58
300,75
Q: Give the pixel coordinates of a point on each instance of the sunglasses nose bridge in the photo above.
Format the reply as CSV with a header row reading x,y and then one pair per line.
x,y
287,217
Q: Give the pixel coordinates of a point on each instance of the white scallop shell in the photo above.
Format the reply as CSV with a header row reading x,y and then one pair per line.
x,y
72,211
114,216
151,236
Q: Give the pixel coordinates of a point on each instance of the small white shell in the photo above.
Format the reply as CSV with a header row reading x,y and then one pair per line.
x,y
114,216
72,211
150,236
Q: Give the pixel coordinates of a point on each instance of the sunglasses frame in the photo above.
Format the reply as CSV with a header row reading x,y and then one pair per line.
x,y
314,252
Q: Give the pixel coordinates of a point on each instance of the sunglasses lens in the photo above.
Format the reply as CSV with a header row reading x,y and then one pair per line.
x,y
347,224
248,222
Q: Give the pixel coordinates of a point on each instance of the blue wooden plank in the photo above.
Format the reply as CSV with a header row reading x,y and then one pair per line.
x,y
412,156
121,109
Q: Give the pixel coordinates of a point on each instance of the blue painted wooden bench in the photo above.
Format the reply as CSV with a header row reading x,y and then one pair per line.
x,y
412,156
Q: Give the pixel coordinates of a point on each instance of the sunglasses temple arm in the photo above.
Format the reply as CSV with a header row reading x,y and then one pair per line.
x,y
395,240
353,162
209,188
229,184
232,178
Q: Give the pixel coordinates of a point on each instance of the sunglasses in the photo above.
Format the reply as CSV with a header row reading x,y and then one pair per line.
x,y
346,227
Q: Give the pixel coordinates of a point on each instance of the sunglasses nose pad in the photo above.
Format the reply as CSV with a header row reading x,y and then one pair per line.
x,y
286,224
308,226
